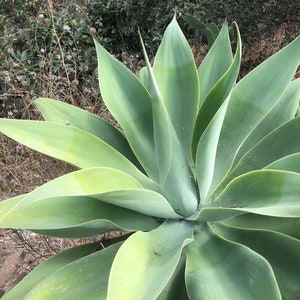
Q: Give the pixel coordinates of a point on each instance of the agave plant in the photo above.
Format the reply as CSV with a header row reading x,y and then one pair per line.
x,y
203,178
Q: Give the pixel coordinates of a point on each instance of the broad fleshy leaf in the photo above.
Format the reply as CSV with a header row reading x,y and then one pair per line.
x,y
122,89
251,100
288,163
220,269
268,150
287,226
9,204
108,185
162,127
148,257
206,152
175,176
175,289
77,217
265,192
71,145
143,201
217,94
281,251
216,62
91,181
47,268
177,79
79,279
283,111
143,76
90,229
64,113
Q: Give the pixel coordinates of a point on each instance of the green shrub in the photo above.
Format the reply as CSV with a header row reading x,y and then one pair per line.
x,y
47,50
210,31
204,177
118,21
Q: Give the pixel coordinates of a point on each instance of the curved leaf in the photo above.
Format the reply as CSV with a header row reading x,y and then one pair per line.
x,y
266,192
45,269
213,270
215,63
86,230
283,111
8,204
177,79
148,257
162,127
251,100
108,185
64,113
217,95
143,75
91,181
210,214
214,31
77,217
175,176
79,279
206,152
175,288
287,226
268,150
281,251
71,145
143,201
130,104
194,22
288,163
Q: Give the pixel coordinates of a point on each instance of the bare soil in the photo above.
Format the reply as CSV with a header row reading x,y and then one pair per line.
x,y
21,251
267,26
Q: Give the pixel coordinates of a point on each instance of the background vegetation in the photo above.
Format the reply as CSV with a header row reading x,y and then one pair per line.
x,y
48,50
47,47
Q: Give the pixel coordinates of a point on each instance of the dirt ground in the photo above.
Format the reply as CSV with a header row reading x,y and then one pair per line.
x,y
21,251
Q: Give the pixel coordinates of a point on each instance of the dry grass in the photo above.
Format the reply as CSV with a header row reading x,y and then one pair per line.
x,y
22,170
